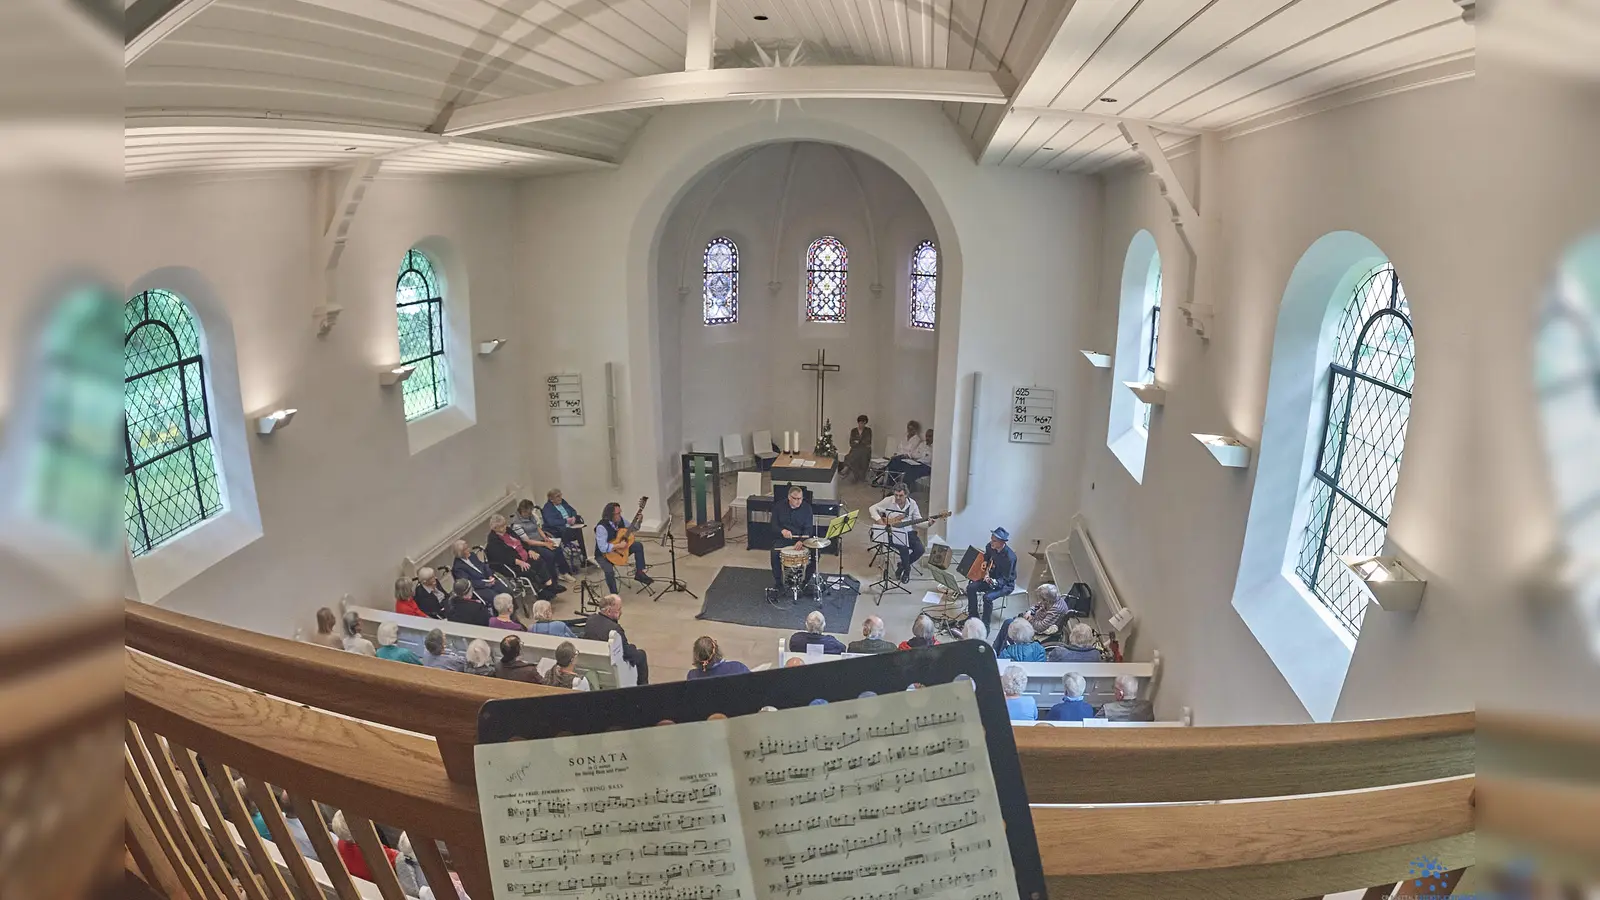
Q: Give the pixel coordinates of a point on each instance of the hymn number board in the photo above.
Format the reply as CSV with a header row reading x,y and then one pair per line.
x,y
1033,415
564,398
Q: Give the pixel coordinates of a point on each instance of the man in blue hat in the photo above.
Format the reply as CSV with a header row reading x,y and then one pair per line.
x,y
1001,577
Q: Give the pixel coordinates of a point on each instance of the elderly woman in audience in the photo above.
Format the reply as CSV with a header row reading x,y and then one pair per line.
x,y
815,623
512,666
326,634
974,630
1128,707
564,674
353,639
1023,648
407,869
466,606
508,554
474,569
544,622
708,661
871,638
1013,681
350,851
1045,615
480,658
389,646
1080,646
405,598
922,634
435,655
502,614
430,595
1072,708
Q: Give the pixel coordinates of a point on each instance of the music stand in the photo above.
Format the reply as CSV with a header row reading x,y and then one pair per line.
x,y
674,584
891,557
838,527
947,615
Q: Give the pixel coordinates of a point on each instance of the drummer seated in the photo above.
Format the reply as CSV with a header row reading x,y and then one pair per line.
x,y
792,523
800,640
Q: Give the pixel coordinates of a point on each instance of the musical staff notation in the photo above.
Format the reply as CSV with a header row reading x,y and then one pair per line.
x,y
661,823
792,885
869,814
660,797
889,781
546,862
885,837
775,746
793,774
699,868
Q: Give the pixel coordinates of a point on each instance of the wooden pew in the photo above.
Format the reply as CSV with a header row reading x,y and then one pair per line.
x,y
600,662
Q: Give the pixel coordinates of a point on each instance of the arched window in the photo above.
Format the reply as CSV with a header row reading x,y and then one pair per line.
x,y
827,269
1567,375
173,481
1150,334
924,286
720,297
1363,437
420,306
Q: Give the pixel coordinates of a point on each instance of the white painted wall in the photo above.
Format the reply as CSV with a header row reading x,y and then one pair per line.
x,y
1391,170
1019,256
773,201
342,498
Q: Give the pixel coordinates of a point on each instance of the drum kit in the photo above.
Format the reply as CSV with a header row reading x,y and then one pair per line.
x,y
798,567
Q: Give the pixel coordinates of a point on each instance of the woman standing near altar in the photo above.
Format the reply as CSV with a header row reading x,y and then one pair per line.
x,y
855,462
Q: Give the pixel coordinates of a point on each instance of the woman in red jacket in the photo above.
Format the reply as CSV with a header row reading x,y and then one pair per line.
x,y
350,851
405,598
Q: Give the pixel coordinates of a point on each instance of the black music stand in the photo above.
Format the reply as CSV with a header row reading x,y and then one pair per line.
x,y
891,558
674,585
838,527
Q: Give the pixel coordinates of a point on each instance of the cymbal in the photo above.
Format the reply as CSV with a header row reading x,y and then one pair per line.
x,y
817,543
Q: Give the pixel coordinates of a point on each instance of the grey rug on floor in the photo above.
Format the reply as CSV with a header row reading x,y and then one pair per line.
x,y
738,595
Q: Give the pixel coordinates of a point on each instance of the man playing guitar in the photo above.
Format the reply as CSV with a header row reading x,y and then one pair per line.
x,y
614,542
903,539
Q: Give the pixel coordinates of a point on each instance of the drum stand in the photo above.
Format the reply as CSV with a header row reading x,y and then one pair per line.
x,y
887,583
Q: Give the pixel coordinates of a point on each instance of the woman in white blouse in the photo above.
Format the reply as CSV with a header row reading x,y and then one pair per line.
x,y
911,459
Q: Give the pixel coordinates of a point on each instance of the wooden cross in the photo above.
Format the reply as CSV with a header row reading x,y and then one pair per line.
x,y
822,367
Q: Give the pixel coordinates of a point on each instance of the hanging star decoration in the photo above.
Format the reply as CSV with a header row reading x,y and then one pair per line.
x,y
776,61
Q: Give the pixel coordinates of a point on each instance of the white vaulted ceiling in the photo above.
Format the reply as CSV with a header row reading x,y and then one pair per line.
x,y
263,84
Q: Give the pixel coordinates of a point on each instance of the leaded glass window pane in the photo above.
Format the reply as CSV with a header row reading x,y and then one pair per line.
x,y
1363,440
419,304
924,285
170,467
1150,335
720,290
827,269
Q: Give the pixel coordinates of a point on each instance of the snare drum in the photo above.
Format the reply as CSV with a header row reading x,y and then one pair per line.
x,y
794,560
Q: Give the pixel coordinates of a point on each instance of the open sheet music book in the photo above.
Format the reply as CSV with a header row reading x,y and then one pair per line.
x,y
885,797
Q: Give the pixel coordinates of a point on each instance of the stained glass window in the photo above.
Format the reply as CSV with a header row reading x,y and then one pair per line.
x,y
924,285
827,269
170,463
420,305
1363,438
720,297
1150,336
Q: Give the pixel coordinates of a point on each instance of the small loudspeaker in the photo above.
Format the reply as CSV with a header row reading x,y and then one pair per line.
x,y
706,538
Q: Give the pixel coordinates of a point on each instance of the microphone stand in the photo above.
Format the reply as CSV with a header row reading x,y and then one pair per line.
x,y
674,584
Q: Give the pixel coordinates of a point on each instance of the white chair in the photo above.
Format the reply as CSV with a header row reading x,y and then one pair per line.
x,y
733,455
761,443
748,483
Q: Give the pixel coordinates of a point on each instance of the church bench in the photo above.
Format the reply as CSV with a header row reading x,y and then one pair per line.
x,y
1103,723
602,663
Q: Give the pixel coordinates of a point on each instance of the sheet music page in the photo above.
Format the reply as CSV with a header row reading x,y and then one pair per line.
x,y
883,798
628,815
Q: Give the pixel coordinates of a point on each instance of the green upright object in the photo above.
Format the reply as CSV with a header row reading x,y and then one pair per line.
x,y
700,489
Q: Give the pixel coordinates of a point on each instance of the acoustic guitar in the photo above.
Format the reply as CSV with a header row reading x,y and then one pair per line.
x,y
623,544
880,533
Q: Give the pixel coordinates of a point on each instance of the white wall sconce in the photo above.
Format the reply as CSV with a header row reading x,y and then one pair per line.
x,y
1391,584
1148,392
1097,359
393,376
1227,451
270,423
487,347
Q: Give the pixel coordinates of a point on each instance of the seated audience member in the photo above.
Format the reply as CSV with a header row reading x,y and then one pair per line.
x,y
1072,708
389,646
502,614
1045,614
1023,648
326,635
708,661
800,640
430,595
512,666
507,555
860,456
466,606
405,594
922,634
544,622
297,828
407,869
871,638
1013,681
353,640
973,630
912,459
350,851
600,626
480,658
1128,707
1079,647
474,569
528,527
563,521
435,655
564,674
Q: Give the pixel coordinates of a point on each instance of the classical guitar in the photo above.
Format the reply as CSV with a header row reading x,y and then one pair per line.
x,y
879,533
623,545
